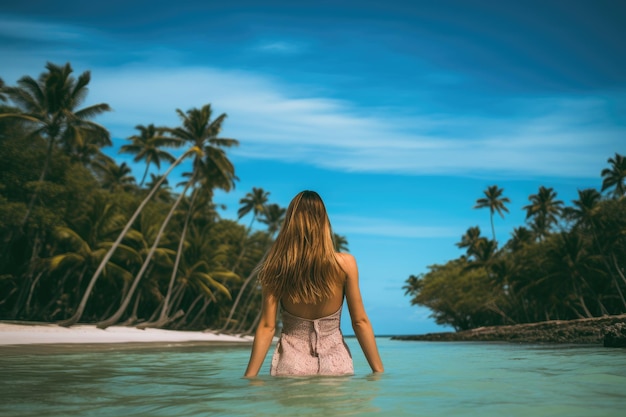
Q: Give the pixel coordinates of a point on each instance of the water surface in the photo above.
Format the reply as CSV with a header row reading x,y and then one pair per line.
x,y
421,379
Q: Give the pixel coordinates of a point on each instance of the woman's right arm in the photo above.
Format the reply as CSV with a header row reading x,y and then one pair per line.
x,y
360,322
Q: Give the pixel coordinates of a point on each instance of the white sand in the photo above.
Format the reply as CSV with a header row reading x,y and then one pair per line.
x,y
27,334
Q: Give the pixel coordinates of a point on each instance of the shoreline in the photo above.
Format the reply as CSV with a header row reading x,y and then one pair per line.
x,y
581,331
23,333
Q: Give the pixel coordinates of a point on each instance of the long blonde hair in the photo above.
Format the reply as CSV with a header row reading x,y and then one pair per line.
x,y
301,265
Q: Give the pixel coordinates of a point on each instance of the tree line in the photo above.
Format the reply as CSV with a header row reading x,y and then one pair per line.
x,y
82,241
566,262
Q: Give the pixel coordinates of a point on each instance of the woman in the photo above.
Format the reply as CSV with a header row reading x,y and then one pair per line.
x,y
303,273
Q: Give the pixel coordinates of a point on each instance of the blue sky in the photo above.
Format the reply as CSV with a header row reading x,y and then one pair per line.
x,y
398,113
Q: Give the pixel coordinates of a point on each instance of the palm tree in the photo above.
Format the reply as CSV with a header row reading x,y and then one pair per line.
x,y
83,303
340,242
215,170
495,202
144,267
470,240
200,132
164,191
200,268
572,266
49,104
147,146
585,207
544,210
485,251
254,202
520,237
81,246
114,177
273,217
413,286
585,213
615,176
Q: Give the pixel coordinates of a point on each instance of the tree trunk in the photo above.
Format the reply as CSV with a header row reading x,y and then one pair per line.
x,y
617,268
133,316
207,302
619,291
239,294
181,244
254,323
177,298
42,178
248,304
30,293
581,299
243,244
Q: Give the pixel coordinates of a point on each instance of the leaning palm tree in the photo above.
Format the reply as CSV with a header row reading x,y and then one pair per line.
x,y
147,146
495,202
115,317
83,303
254,202
544,209
49,104
200,267
615,176
214,171
201,132
272,215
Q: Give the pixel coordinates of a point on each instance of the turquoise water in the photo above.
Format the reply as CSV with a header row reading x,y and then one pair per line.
x,y
422,379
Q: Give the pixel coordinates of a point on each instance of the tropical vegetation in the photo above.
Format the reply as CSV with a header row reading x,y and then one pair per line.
x,y
82,241
566,262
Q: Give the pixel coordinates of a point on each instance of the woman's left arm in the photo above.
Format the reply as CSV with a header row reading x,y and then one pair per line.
x,y
263,336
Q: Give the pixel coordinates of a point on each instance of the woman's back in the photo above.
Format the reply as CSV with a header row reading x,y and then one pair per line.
x,y
322,308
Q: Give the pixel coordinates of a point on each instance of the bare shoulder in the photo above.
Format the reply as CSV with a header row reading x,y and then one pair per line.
x,y
347,262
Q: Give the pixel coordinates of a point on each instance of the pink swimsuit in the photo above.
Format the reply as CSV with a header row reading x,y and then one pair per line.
x,y
311,347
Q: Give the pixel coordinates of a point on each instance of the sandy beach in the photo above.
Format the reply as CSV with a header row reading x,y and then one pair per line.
x,y
42,333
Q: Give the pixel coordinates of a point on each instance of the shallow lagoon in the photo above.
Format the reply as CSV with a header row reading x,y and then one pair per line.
x,y
422,378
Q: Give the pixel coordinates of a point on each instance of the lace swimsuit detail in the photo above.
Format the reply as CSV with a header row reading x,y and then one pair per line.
x,y
311,347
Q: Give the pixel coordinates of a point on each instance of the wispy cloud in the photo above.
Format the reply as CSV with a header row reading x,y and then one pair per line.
x,y
275,120
571,139
18,28
280,47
